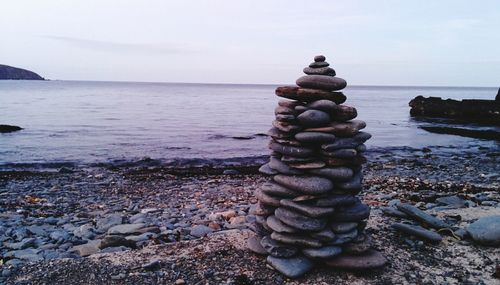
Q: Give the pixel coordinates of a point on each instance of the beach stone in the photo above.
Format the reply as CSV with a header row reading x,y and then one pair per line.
x,y
336,200
422,216
253,244
288,142
322,105
353,142
315,137
352,213
418,232
308,165
325,252
289,103
274,189
354,162
291,150
87,249
308,95
277,249
318,64
280,110
115,240
328,71
324,235
341,153
313,118
299,221
103,224
319,58
486,231
343,113
353,184
393,212
200,231
334,173
286,128
275,133
310,211
260,209
286,118
276,225
291,267
292,159
126,229
322,82
359,245
265,169
341,129
306,184
301,109
368,260
295,239
267,199
24,243
344,238
452,201
342,228
281,167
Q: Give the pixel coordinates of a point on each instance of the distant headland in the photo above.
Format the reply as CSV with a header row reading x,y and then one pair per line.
x,y
14,73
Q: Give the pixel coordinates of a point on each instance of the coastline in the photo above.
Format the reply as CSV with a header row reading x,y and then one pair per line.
x,y
172,200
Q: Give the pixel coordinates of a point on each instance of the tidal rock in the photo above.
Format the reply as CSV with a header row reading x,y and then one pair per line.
x,y
328,71
267,199
322,82
422,216
486,231
291,150
315,137
273,189
325,252
277,249
282,167
310,211
306,184
336,200
342,228
299,221
368,260
343,113
295,239
318,64
286,128
276,225
9,128
308,95
254,245
341,153
265,169
344,129
291,267
418,232
353,142
353,213
314,118
334,173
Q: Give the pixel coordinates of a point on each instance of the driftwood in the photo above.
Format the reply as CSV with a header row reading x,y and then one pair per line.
x,y
474,111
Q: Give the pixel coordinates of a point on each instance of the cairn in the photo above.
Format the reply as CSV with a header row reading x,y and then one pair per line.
x,y
309,213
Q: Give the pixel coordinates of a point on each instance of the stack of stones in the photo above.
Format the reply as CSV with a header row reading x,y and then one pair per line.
x,y
309,213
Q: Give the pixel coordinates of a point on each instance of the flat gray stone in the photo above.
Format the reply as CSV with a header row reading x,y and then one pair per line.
x,y
286,127
322,82
296,240
393,212
341,153
265,169
267,199
313,119
277,134
276,190
342,228
200,231
325,252
334,173
362,243
299,221
336,200
354,184
422,216
340,129
306,184
452,201
344,238
322,105
126,229
23,244
103,224
277,249
291,150
308,94
358,139
307,210
368,260
290,119
276,225
253,244
352,213
289,103
328,71
418,232
319,64
308,165
291,267
281,110
343,113
486,231
324,235
281,167
314,137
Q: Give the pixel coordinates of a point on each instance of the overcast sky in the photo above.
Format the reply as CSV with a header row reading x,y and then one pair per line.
x,y
445,42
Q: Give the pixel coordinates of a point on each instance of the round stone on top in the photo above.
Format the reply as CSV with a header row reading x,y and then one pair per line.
x,y
319,58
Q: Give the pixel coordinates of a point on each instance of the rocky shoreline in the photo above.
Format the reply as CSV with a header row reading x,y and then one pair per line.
x,y
150,225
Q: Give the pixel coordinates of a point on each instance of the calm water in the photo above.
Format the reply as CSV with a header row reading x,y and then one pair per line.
x,y
86,122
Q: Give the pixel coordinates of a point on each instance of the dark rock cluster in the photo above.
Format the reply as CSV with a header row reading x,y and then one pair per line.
x,y
14,73
309,213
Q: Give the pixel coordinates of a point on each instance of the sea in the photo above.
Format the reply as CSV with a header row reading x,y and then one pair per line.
x,y
76,123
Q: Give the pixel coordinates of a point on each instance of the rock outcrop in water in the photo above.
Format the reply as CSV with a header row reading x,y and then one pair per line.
x,y
9,128
14,73
476,111
309,212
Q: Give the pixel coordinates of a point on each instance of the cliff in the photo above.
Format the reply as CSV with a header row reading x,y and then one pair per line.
x,y
14,73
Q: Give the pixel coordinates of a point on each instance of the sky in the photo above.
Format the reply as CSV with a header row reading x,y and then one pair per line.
x,y
383,42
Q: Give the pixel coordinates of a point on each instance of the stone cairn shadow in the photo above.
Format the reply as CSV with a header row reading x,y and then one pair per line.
x,y
308,213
